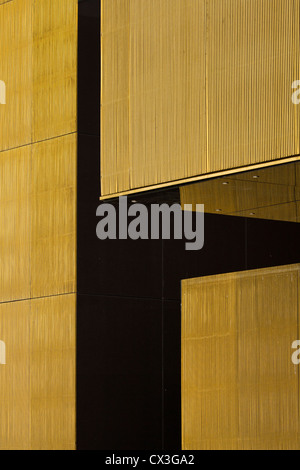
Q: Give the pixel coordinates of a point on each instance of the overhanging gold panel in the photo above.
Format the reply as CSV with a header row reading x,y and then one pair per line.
x,y
240,389
191,87
153,92
37,384
253,57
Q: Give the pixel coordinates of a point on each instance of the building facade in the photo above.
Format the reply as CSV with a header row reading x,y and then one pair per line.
x,y
120,344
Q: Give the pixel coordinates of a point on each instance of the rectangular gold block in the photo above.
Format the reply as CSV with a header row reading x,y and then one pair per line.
x,y
38,64
53,217
38,219
240,388
37,383
16,73
52,372
15,220
14,377
54,62
190,88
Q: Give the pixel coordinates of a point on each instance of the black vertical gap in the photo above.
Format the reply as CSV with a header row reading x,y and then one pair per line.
x,y
88,168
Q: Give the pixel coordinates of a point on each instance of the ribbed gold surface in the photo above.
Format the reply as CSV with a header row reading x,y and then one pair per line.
x,y
54,62
14,376
38,219
190,87
15,223
52,372
153,92
240,389
38,157
53,216
252,60
38,63
16,72
37,385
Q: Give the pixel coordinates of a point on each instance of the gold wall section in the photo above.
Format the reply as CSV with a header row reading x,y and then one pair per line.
x,y
192,87
37,384
15,219
16,72
53,216
14,377
38,165
52,372
38,219
54,61
38,63
240,389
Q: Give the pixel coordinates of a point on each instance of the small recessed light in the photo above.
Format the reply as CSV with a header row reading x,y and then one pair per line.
x,y
255,176
225,182
134,201
218,210
252,213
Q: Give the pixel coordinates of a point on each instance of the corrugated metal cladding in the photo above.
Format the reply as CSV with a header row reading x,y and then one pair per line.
x,y
243,325
192,87
38,146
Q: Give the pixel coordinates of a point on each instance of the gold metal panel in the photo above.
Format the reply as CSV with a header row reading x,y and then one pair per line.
x,y
38,64
14,377
190,88
252,61
53,217
16,72
54,68
52,372
153,92
37,383
240,389
15,217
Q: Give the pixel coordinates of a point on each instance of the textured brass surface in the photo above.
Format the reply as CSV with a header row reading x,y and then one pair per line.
x,y
191,87
240,389
38,164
